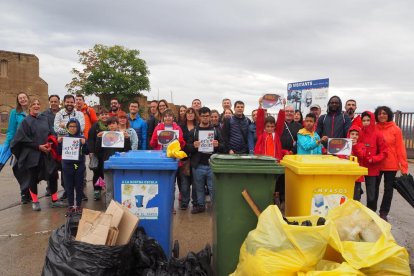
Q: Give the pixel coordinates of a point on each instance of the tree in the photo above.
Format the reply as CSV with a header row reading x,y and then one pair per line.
x,y
110,72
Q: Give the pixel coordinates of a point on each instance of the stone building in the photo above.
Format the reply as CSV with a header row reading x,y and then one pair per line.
x,y
19,72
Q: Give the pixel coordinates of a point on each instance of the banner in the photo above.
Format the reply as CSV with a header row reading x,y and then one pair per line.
x,y
302,95
113,139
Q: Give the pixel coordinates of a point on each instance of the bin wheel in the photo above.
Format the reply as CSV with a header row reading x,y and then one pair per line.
x,y
176,249
208,249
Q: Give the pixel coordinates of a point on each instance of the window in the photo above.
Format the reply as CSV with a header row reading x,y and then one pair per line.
x,y
3,68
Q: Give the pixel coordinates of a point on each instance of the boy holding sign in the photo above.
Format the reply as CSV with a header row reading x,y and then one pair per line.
x,y
73,148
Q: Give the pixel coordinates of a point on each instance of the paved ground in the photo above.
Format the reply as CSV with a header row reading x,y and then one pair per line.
x,y
24,234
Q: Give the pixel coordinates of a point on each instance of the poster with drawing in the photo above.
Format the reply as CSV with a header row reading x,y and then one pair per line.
x,y
70,148
304,94
206,138
339,146
113,139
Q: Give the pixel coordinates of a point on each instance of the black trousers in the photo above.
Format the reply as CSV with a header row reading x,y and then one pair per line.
x,y
280,187
98,172
372,194
389,179
73,177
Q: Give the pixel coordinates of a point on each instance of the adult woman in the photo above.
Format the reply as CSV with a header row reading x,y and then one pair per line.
x,y
162,106
227,114
215,118
30,146
184,173
154,120
298,117
396,159
98,171
17,115
181,114
124,126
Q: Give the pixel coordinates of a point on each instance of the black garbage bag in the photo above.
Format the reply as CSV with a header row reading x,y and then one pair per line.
x,y
405,186
65,256
150,260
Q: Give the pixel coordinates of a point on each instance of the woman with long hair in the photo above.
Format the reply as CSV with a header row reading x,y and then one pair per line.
x,y
181,114
396,159
298,117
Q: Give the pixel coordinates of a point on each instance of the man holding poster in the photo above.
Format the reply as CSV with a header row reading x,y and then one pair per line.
x,y
203,141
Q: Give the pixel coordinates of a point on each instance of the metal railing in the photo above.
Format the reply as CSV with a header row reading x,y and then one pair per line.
x,y
405,121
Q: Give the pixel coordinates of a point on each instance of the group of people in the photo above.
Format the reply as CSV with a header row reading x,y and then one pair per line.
x,y
35,137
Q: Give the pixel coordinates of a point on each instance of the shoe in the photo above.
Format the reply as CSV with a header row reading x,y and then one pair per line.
x,y
84,198
97,195
208,199
25,199
184,206
179,197
58,204
384,216
70,211
64,196
78,210
198,209
36,206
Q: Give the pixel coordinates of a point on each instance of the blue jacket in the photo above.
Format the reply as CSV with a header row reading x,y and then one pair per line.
x,y
307,143
252,138
15,120
140,127
236,134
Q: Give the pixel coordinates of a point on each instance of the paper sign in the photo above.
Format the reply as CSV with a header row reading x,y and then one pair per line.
x,y
206,138
339,146
270,100
113,139
166,136
70,148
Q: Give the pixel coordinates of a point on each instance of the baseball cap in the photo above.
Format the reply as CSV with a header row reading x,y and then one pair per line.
x,y
315,105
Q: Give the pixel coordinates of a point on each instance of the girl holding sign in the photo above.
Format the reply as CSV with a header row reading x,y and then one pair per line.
x,y
74,148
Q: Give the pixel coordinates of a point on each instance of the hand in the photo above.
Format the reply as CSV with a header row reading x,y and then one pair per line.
x,y
126,134
196,144
231,152
100,134
215,143
284,102
44,148
62,125
60,139
82,140
260,101
324,139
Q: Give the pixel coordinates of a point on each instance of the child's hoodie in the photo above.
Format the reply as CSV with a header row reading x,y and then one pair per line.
x,y
83,148
307,142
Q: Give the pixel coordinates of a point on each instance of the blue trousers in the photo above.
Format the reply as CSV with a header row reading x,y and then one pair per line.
x,y
73,174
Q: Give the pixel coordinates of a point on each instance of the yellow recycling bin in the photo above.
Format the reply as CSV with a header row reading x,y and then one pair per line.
x,y
316,183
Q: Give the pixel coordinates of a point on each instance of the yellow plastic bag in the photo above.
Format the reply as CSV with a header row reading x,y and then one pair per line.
x,y
174,150
328,268
381,255
277,248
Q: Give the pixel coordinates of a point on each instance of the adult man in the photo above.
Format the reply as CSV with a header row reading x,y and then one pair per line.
x,y
196,104
63,116
88,113
50,113
316,110
152,120
350,107
334,124
202,172
115,107
138,124
226,104
235,131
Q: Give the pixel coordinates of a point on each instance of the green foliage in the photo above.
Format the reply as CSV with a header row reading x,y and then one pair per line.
x,y
110,72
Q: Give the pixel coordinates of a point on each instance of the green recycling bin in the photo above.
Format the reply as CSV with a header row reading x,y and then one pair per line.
x,y
233,218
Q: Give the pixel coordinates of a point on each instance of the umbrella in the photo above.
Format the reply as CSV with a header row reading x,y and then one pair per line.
x,y
405,186
5,154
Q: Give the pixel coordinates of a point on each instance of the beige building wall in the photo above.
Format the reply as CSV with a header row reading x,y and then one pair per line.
x,y
19,72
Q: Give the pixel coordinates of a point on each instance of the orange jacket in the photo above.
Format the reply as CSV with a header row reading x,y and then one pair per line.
x,y
90,118
396,159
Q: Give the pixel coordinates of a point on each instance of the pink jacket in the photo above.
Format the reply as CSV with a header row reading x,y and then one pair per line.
x,y
154,139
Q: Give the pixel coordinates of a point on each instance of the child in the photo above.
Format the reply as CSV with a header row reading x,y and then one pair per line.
x,y
309,141
73,170
268,133
358,151
167,124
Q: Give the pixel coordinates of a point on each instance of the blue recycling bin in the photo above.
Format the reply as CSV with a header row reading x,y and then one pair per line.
x,y
143,181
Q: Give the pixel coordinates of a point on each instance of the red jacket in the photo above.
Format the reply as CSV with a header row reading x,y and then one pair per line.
x,y
356,121
396,159
90,118
260,147
374,147
154,139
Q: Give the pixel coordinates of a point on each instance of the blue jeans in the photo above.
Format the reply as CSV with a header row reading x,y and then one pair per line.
x,y
203,175
186,183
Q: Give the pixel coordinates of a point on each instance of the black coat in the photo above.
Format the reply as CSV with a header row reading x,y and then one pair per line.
x,y
290,131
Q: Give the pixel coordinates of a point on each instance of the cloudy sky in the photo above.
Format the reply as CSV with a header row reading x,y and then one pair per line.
x,y
235,49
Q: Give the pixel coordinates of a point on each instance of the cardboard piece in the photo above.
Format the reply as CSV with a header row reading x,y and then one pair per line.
x,y
114,227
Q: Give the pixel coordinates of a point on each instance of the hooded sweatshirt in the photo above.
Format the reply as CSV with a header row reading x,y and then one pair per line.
x,y
83,148
307,142
396,159
374,147
334,124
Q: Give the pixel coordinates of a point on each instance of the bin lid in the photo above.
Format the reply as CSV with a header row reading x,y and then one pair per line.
x,y
323,165
245,163
141,160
